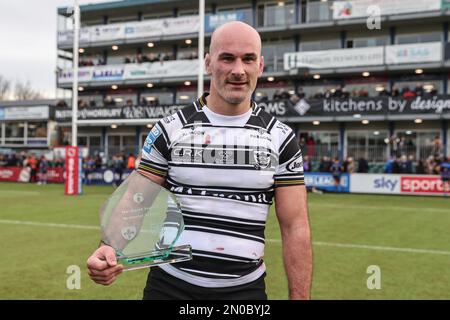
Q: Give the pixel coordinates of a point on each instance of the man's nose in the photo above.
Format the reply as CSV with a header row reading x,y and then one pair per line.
x,y
238,68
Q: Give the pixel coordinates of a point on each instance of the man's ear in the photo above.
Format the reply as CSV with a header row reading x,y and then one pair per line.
x,y
208,64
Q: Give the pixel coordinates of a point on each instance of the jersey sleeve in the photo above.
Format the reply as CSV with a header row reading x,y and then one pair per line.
x,y
289,171
155,152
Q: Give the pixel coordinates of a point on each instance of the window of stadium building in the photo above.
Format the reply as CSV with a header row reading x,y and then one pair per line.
x,y
37,133
186,97
411,89
318,144
90,100
156,98
419,144
93,143
370,145
367,89
316,11
246,12
14,132
122,56
418,37
317,45
121,100
367,42
268,94
118,144
273,51
275,14
318,92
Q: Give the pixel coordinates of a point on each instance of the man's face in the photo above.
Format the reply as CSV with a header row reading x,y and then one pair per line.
x,y
234,64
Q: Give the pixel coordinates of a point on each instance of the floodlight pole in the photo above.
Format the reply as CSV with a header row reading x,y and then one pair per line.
x,y
201,47
76,37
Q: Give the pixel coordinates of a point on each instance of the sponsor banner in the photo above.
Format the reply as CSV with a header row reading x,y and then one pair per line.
x,y
414,53
325,181
19,174
14,174
108,73
137,112
133,30
365,8
151,28
181,25
24,113
72,170
338,58
396,184
105,176
176,68
285,109
422,184
375,183
106,32
214,21
84,75
166,69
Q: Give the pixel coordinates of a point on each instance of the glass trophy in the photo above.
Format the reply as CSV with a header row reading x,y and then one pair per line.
x,y
142,221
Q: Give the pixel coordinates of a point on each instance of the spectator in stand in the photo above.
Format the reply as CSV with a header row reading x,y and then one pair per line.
x,y
98,162
129,103
336,170
389,165
410,164
349,165
43,167
363,166
109,101
306,164
325,164
407,93
3,161
395,92
131,163
32,163
420,167
118,165
311,146
444,170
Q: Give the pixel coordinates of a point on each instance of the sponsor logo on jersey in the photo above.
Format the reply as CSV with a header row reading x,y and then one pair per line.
x,y
151,138
295,165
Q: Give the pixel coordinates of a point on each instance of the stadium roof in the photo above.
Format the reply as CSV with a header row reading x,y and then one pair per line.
x,y
116,5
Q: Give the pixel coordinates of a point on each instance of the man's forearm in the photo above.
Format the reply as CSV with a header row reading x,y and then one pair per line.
x,y
297,254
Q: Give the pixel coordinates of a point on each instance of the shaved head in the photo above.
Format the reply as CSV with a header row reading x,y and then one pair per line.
x,y
229,31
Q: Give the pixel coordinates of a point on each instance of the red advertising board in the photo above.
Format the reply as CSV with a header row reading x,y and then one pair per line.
x,y
421,184
20,174
71,187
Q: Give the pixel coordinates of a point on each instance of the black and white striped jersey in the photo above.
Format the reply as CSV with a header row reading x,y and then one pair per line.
x,y
223,171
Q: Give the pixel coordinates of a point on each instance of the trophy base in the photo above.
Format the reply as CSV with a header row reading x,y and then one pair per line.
x,y
150,259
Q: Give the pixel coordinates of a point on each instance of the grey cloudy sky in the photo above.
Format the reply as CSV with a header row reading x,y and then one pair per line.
x,y
28,41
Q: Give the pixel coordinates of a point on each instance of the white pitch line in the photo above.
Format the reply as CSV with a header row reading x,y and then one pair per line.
x,y
315,243
370,247
46,224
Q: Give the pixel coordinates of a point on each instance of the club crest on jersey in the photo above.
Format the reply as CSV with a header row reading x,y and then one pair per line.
x,y
262,159
151,138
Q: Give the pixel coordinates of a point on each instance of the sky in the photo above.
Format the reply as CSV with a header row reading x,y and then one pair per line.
x,y
28,41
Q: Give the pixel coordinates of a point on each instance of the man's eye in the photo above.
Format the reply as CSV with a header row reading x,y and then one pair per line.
x,y
227,58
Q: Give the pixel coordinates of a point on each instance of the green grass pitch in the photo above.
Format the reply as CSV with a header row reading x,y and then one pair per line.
x,y
408,238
